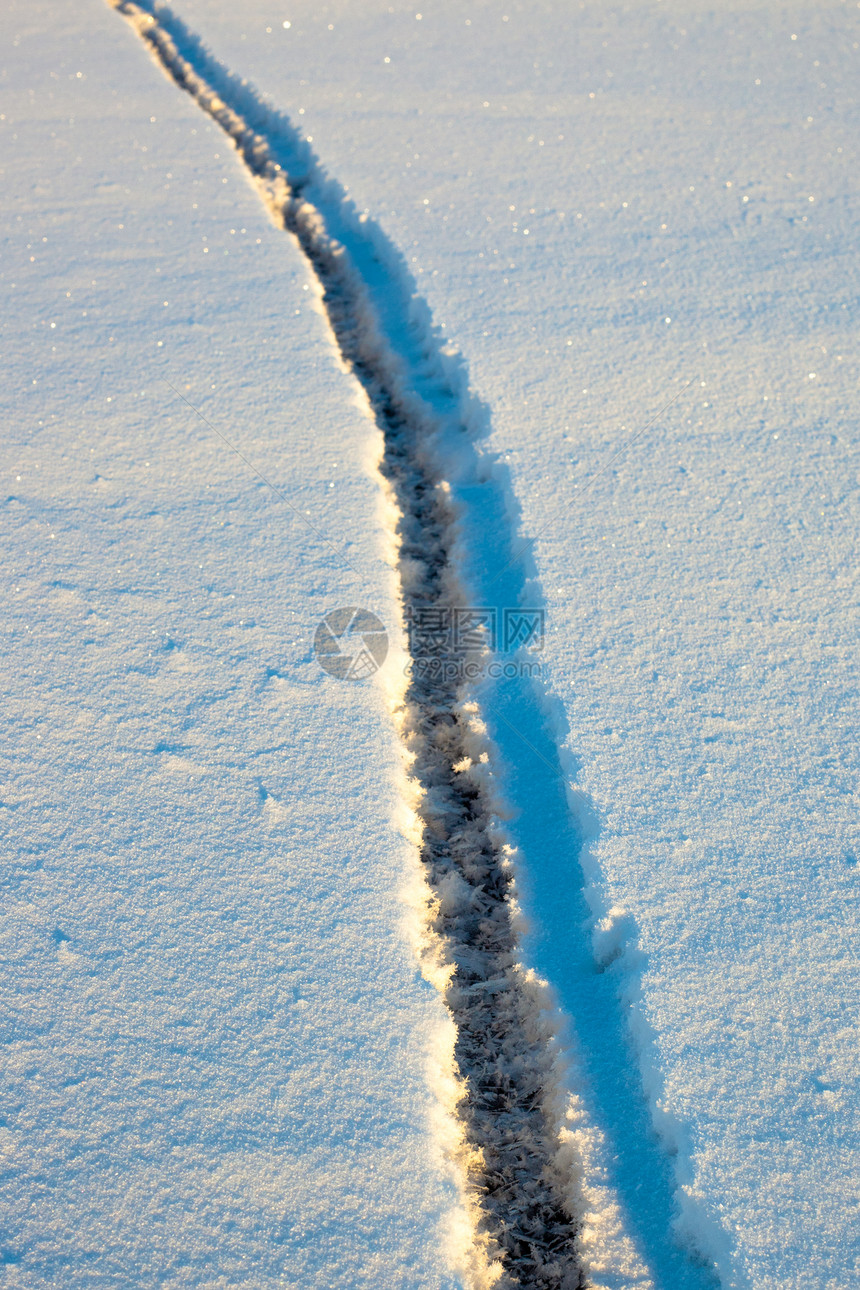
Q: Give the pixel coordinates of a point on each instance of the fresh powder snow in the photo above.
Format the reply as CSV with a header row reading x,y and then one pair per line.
x,y
633,234
215,1038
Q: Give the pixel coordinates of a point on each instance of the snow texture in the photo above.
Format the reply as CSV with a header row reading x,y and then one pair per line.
x,y
600,209
215,1040
609,215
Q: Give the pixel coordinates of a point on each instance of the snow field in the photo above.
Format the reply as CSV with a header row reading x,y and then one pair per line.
x,y
216,1041
598,212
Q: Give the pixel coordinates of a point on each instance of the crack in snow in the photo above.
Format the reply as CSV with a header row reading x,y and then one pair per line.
x,y
517,1175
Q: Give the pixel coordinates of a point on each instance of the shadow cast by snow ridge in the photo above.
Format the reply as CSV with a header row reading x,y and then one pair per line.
x,y
587,953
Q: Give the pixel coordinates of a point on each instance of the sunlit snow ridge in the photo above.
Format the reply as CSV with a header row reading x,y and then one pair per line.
x,y
515,1175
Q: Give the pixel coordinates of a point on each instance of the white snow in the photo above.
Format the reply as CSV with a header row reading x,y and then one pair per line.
x,y
600,209
217,1069
214,1041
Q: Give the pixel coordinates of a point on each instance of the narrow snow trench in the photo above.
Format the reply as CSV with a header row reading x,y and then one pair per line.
x,y
505,1053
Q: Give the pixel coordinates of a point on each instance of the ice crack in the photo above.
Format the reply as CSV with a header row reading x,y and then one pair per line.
x,y
505,1051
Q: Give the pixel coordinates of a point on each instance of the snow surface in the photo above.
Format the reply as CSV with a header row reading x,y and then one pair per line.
x,y
604,211
215,1040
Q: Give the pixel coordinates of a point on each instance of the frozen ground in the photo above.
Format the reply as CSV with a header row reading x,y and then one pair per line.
x,y
604,211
